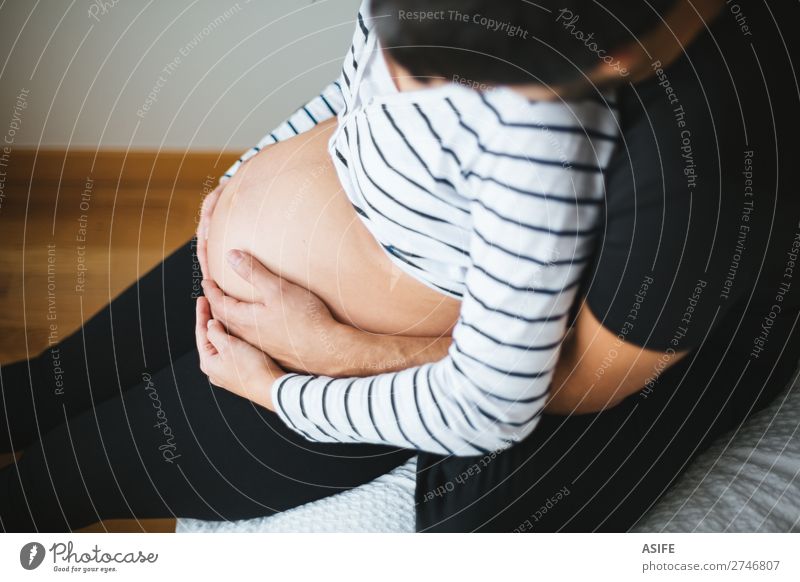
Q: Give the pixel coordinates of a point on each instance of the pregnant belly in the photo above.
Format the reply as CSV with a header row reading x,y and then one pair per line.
x,y
287,208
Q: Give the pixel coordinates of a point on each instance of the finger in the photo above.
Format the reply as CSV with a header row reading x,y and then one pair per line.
x,y
224,307
202,317
211,198
218,337
202,226
207,209
201,251
213,292
266,284
228,344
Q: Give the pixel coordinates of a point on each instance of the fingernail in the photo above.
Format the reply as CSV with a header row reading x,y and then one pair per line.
x,y
234,257
210,323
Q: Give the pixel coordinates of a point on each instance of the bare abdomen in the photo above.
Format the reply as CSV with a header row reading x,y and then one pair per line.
x,y
286,207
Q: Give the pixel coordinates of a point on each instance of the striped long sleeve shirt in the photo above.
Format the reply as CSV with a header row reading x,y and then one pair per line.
x,y
484,196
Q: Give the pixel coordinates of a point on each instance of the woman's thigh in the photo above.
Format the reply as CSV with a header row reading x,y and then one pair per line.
x,y
173,445
145,327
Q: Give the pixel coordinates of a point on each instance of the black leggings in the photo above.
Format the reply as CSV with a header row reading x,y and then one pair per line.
x,y
117,421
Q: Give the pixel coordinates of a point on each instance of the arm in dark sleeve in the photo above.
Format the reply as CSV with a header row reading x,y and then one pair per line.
x,y
679,241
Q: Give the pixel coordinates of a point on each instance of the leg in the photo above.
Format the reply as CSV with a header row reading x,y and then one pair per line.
x,y
175,446
599,472
144,328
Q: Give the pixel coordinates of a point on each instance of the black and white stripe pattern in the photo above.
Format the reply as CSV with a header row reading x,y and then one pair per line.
x,y
486,197
326,105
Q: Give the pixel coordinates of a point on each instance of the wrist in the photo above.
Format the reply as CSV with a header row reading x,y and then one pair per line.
x,y
347,356
273,383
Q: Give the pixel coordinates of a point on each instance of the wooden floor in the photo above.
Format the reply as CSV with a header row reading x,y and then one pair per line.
x,y
132,210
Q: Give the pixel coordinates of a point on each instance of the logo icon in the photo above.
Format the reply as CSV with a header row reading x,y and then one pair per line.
x,y
31,555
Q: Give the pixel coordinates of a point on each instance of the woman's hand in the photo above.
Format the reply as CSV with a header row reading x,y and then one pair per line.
x,y
232,363
285,320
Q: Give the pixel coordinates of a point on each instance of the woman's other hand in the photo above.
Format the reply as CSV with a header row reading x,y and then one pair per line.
x,y
232,363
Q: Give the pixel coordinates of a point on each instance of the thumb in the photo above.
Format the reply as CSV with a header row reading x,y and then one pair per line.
x,y
266,284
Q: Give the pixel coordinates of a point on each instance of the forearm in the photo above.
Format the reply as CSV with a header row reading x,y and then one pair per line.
x,y
597,370
358,353
574,389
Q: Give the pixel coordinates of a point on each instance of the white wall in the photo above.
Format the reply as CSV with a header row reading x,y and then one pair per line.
x,y
90,65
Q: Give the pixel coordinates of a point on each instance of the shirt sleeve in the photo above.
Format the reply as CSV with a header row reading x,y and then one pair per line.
x,y
529,242
322,107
